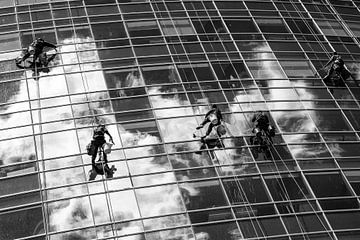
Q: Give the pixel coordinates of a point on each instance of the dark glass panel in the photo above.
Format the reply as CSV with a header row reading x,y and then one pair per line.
x,y
160,75
336,204
210,215
108,30
354,118
344,220
28,222
241,26
245,190
254,210
105,54
330,120
261,227
285,188
307,223
195,72
320,182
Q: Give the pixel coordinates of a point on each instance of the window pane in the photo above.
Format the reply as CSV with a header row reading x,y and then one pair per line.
x,y
205,194
108,30
246,190
320,183
223,231
160,200
29,222
348,220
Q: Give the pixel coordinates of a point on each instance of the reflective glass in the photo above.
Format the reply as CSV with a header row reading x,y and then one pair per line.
x,y
159,200
319,182
31,219
261,227
204,194
225,231
286,188
245,191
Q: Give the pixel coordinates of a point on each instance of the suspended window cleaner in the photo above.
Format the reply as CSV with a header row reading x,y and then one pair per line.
x,y
337,72
215,131
35,58
99,146
263,134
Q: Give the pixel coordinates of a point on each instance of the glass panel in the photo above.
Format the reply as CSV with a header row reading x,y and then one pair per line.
x,y
178,233
205,194
108,30
223,231
30,223
319,185
143,29
245,190
272,25
241,26
261,227
348,220
160,200
17,150
123,205
266,69
9,42
160,75
169,221
330,120
307,223
285,188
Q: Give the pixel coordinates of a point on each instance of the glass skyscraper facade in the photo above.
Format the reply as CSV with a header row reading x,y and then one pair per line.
x,y
150,70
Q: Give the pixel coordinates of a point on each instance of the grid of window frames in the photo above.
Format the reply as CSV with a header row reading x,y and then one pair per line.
x,y
150,70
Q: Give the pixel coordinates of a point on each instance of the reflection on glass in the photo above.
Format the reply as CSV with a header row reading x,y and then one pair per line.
x,y
309,150
159,200
168,221
178,233
223,231
245,190
283,188
173,129
205,194
123,205
330,120
266,69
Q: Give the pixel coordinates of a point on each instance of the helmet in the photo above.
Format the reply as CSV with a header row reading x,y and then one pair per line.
x,y
221,130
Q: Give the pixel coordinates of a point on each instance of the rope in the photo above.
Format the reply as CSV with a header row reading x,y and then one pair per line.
x,y
41,159
87,99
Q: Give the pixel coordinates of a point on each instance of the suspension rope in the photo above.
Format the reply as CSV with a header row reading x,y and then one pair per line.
x,y
86,184
41,155
237,182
